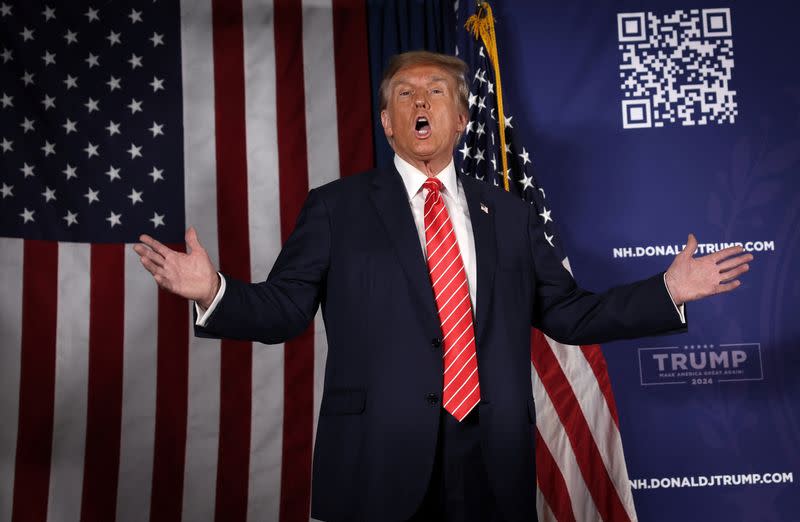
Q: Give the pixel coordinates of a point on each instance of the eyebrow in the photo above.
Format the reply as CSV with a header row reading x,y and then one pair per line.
x,y
431,79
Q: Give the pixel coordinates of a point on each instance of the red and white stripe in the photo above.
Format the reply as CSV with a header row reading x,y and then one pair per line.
x,y
112,409
581,468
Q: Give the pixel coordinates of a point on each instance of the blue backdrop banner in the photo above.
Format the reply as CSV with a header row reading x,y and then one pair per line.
x,y
647,121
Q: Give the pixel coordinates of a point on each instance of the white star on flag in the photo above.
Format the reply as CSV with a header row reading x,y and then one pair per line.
x,y
157,219
546,215
135,61
91,150
71,37
112,128
157,129
112,173
49,194
91,14
71,218
156,174
113,38
134,151
135,106
6,190
114,219
71,82
70,171
157,39
92,195
27,215
157,84
27,126
135,196
69,126
113,83
48,148
27,170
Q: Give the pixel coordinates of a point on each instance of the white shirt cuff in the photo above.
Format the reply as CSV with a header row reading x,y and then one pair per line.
x,y
203,314
679,309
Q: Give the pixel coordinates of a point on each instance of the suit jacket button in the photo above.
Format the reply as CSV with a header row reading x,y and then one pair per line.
x,y
436,342
432,399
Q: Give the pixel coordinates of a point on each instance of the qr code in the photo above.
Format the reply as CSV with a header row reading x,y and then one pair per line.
x,y
676,68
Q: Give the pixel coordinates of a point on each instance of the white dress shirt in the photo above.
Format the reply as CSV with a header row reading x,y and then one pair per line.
x,y
456,202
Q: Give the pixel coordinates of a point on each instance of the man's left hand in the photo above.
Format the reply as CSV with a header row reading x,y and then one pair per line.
x,y
690,278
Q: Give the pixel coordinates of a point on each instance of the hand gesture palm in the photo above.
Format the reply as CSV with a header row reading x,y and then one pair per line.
x,y
190,275
690,278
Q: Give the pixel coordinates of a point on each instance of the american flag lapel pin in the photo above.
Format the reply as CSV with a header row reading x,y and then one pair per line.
x,y
484,208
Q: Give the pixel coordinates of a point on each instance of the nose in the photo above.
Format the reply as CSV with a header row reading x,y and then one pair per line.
x,y
421,102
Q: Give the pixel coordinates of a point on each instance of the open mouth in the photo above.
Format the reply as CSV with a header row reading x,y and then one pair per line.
x,y
422,129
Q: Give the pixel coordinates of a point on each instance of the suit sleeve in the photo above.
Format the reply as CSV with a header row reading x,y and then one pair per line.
x,y
281,307
572,315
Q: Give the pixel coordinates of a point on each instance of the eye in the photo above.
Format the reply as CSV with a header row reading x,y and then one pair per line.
x,y
404,93
437,90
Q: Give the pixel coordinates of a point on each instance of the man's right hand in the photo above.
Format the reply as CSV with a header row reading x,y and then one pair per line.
x,y
190,275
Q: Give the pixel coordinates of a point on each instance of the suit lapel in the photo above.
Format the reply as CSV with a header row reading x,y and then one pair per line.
x,y
391,202
482,218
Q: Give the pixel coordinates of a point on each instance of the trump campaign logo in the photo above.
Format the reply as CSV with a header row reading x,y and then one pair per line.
x,y
698,364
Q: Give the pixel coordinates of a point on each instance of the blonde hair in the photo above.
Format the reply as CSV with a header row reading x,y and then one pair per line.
x,y
453,66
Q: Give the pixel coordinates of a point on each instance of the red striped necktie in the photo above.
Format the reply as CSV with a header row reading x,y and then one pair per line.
x,y
450,289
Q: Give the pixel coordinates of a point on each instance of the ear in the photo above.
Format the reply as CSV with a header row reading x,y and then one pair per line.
x,y
386,122
462,122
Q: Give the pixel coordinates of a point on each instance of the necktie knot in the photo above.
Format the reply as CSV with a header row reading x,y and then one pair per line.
x,y
432,184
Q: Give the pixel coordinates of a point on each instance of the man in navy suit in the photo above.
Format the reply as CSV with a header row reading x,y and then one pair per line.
x,y
408,430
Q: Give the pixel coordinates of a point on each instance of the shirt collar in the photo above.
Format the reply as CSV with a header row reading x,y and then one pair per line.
x,y
413,178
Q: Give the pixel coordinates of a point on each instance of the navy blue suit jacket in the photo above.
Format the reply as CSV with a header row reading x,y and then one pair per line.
x,y
356,252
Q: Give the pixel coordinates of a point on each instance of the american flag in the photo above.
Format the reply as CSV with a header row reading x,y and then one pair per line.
x,y
580,465
124,117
